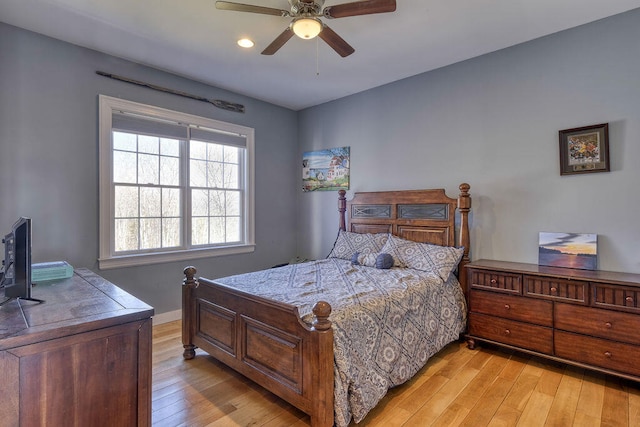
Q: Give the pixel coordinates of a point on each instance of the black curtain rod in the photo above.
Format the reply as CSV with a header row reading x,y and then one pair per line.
x,y
225,105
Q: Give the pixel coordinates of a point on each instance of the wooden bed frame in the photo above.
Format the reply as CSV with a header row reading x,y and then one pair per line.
x,y
266,340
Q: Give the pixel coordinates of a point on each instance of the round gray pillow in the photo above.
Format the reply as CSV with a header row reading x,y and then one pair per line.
x,y
384,261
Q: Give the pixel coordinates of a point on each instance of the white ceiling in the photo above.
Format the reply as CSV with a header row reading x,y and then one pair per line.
x,y
194,39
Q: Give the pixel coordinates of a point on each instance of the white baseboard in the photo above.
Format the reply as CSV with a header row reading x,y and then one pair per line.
x,y
167,317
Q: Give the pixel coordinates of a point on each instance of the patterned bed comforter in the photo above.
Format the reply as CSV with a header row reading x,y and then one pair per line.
x,y
386,323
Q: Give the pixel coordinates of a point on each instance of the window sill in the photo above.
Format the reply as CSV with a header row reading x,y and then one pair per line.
x,y
162,257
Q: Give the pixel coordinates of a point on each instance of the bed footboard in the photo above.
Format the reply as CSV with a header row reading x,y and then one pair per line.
x,y
264,340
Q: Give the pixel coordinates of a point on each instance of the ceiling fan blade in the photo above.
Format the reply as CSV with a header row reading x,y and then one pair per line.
x,y
239,7
278,42
366,7
336,42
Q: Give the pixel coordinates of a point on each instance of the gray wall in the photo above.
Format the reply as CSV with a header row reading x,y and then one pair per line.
x,y
49,158
493,122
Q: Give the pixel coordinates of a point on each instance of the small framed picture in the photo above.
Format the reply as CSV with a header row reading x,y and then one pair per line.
x,y
584,149
570,250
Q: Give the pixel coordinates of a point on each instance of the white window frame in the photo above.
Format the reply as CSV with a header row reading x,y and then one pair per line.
x,y
107,258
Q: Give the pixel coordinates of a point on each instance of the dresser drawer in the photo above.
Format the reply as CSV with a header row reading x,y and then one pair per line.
x,y
512,307
497,281
599,352
511,332
601,323
613,296
558,289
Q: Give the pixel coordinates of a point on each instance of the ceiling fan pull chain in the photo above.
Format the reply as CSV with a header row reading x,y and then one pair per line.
x,y
317,60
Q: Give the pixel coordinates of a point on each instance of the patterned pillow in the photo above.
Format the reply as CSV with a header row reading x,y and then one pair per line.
x,y
423,256
349,243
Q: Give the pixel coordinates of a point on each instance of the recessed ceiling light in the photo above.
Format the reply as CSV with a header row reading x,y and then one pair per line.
x,y
246,43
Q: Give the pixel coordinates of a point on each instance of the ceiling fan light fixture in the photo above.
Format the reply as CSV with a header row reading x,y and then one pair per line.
x,y
306,28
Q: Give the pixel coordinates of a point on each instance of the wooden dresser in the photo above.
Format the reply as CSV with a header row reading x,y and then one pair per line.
x,y
581,317
81,358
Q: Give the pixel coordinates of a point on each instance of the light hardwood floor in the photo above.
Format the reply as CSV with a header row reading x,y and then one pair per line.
x,y
458,387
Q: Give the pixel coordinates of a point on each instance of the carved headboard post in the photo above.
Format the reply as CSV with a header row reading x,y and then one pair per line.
x,y
464,206
342,208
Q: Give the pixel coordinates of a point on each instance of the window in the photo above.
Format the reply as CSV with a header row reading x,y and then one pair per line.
x,y
173,186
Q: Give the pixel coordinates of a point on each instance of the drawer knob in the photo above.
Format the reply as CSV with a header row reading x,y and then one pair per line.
x,y
629,300
607,354
608,325
507,307
554,290
507,332
493,281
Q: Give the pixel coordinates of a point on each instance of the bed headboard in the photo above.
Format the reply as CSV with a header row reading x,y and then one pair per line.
x,y
426,216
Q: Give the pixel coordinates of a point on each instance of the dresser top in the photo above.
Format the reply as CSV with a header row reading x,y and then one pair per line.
x,y
78,304
613,277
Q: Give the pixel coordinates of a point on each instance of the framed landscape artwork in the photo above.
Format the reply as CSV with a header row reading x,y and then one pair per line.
x,y
326,170
570,250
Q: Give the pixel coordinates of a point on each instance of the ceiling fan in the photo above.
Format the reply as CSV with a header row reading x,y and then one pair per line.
x,y
306,21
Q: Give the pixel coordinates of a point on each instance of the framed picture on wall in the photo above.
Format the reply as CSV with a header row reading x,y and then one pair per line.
x,y
584,149
326,170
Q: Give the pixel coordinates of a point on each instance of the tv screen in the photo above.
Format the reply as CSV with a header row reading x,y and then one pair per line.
x,y
17,260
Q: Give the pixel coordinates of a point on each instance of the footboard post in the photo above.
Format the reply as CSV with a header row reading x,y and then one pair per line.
x,y
323,405
189,284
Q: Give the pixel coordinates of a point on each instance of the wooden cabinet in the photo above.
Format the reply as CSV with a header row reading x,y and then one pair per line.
x,y
581,317
83,357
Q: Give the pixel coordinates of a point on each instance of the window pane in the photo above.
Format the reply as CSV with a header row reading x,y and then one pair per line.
x,y
215,152
170,147
124,167
150,232
231,176
124,141
215,175
126,235
197,173
231,154
148,168
217,203
233,229
150,202
233,203
126,202
217,230
171,202
170,232
200,231
148,144
169,171
198,150
199,203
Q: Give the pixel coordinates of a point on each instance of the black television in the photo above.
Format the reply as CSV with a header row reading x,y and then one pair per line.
x,y
17,261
